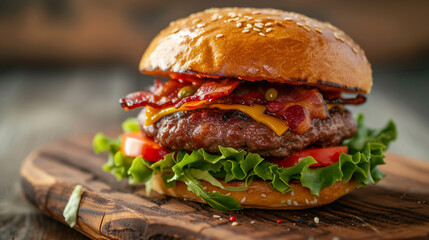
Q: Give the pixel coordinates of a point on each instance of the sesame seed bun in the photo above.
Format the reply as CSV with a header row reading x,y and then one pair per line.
x,y
261,195
259,44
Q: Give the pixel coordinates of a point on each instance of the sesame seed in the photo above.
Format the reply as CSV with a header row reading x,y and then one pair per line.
x,y
258,20
200,25
245,31
220,219
257,29
263,195
248,17
269,30
252,222
316,219
354,50
268,24
196,20
287,18
241,20
232,14
219,35
216,216
307,29
249,25
318,30
300,24
259,25
230,20
214,190
234,224
289,202
306,201
236,19
228,194
205,188
243,200
295,203
282,202
185,199
263,35
256,12
338,37
175,30
292,193
239,25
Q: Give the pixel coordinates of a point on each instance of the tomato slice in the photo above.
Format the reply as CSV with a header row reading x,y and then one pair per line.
x,y
323,156
135,144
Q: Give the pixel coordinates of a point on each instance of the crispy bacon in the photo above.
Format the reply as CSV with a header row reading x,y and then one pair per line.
x,y
298,106
211,90
359,99
160,95
165,95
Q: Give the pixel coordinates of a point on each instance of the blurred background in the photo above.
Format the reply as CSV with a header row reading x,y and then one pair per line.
x,y
64,64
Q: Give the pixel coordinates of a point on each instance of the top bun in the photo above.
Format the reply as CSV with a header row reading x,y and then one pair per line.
x,y
259,44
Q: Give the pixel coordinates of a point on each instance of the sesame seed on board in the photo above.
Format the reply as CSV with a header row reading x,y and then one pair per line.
x,y
316,220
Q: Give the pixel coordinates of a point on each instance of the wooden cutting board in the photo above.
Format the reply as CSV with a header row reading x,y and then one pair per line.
x,y
396,208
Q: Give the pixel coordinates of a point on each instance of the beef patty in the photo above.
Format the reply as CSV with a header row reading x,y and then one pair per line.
x,y
209,128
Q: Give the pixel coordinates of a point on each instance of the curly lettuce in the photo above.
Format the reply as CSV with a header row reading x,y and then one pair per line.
x,y
365,154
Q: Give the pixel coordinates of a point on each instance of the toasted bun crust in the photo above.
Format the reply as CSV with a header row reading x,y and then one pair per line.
x,y
261,195
279,46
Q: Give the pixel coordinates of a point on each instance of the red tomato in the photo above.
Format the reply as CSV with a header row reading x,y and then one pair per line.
x,y
135,144
323,156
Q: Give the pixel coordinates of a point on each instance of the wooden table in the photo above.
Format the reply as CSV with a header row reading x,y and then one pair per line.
x,y
43,105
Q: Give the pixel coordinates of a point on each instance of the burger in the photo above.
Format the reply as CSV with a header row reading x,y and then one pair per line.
x,y
252,114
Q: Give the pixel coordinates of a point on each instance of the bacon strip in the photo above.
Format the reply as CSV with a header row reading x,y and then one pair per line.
x,y
359,99
298,106
165,95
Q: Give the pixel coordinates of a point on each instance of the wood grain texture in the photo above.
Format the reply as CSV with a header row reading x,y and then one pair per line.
x,y
396,208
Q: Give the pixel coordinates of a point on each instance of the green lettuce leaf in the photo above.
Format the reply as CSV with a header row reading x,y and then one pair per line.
x,y
365,154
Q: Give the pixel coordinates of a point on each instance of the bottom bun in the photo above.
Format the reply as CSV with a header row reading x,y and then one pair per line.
x,y
261,195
